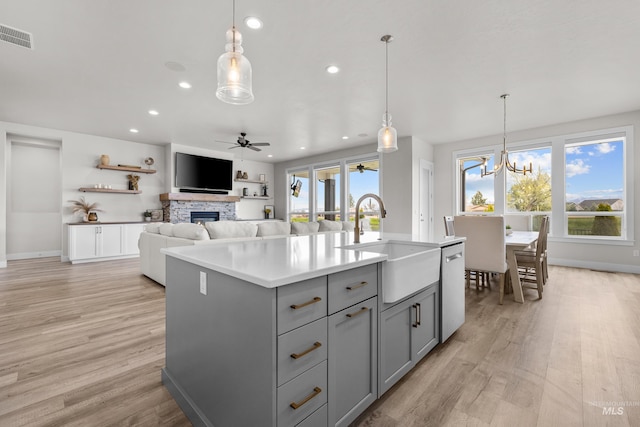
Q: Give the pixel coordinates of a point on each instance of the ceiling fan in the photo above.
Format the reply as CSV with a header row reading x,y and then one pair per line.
x,y
361,168
245,143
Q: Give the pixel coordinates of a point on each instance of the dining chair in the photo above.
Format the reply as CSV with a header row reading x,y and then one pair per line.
x,y
531,262
485,250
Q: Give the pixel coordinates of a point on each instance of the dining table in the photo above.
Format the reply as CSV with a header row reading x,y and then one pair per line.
x,y
516,241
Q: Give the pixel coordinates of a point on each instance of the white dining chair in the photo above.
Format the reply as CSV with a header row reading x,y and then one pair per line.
x,y
485,249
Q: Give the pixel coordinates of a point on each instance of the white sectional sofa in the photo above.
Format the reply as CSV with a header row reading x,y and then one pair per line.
x,y
167,235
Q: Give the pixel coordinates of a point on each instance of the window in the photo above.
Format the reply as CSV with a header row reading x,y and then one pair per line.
x,y
327,181
594,188
476,194
364,178
334,190
584,181
299,196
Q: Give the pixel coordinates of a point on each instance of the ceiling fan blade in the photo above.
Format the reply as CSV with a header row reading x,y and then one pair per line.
x,y
251,147
262,144
235,146
224,142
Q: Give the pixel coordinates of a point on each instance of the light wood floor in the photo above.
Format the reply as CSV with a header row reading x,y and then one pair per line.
x,y
83,345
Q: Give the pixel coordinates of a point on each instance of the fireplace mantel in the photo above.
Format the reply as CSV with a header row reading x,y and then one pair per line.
x,y
198,197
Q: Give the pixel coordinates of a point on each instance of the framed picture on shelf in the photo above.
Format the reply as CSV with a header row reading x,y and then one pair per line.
x,y
269,212
156,215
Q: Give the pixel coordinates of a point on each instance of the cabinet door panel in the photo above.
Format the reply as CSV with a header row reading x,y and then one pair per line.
x,y
353,361
349,287
83,242
426,335
131,236
396,357
111,236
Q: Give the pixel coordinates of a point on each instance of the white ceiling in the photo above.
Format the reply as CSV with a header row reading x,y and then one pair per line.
x,y
98,66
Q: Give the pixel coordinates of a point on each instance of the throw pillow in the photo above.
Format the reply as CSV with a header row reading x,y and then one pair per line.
x,y
327,225
186,230
275,228
304,227
231,229
166,229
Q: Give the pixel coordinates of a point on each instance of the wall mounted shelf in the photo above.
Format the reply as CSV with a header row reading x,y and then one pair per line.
x,y
251,181
126,169
107,190
257,197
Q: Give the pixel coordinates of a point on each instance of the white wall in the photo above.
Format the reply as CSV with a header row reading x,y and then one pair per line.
x,y
596,256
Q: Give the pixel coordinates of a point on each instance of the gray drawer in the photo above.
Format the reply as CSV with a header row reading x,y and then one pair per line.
x,y
352,286
317,419
301,349
308,390
301,303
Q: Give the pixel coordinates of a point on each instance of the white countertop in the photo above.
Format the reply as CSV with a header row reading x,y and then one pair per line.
x,y
280,261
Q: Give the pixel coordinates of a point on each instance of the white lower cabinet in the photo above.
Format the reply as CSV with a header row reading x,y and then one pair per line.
x,y
93,242
408,331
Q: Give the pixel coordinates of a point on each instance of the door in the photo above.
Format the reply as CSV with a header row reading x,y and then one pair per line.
x,y
353,361
425,328
396,357
426,200
34,205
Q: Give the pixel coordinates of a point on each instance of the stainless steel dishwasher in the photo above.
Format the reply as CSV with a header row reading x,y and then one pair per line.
x,y
452,290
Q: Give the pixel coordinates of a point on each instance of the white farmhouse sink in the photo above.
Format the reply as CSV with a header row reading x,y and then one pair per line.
x,y
410,266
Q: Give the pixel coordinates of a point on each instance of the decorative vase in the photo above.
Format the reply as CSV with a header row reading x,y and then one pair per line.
x,y
239,175
245,176
104,160
147,218
92,217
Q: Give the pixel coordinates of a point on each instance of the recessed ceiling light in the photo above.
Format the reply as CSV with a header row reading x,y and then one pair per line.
x,y
302,148
132,130
345,137
185,85
269,155
253,22
153,112
332,69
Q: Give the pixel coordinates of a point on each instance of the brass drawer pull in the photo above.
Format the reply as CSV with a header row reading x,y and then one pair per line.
x,y
316,391
313,301
359,285
362,310
307,351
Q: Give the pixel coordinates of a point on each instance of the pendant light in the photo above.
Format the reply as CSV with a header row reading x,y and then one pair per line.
x,y
234,70
504,155
387,135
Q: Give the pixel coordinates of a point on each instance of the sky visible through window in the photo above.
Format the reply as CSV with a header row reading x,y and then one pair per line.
x,y
594,171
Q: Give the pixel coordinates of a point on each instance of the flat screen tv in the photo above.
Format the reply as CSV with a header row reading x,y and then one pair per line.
x,y
203,173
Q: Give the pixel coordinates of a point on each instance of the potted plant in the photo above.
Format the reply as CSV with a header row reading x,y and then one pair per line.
x,y
87,209
508,230
147,216
267,211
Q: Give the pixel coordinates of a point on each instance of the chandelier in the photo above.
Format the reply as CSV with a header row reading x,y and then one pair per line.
x,y
504,155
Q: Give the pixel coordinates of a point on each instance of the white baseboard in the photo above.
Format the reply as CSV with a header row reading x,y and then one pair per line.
x,y
591,265
3,264
29,255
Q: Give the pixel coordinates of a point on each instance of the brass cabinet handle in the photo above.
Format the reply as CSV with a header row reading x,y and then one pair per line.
x,y
418,314
362,310
307,351
359,285
313,301
316,391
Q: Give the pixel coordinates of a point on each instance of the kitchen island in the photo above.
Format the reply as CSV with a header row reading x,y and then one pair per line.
x,y
279,332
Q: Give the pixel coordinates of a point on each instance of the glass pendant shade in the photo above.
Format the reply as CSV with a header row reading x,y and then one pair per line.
x,y
234,72
387,136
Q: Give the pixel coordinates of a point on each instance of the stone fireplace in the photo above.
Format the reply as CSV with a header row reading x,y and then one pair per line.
x,y
177,207
198,217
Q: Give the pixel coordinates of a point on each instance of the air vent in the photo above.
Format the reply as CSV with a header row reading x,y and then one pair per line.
x,y
14,36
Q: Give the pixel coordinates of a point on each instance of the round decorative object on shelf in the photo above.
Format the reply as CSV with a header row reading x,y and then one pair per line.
x,y
104,160
92,217
149,162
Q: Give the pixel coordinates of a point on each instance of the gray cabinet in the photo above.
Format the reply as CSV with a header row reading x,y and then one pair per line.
x,y
408,331
353,361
